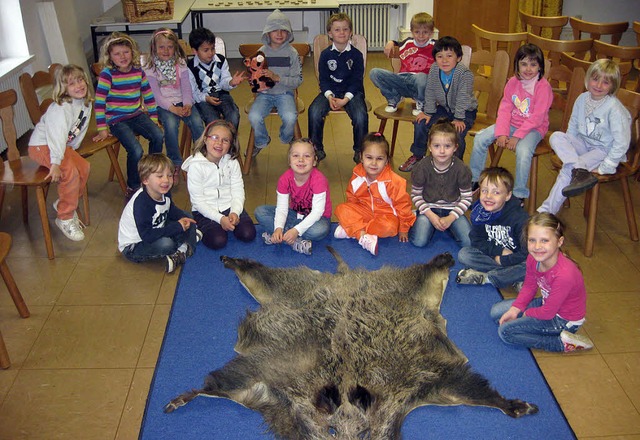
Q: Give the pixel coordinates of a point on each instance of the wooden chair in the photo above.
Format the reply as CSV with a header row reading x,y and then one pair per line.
x,y
12,287
553,48
37,91
247,50
535,24
22,171
492,41
572,62
620,54
405,108
597,30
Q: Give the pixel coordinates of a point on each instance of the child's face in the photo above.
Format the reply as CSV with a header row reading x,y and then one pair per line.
x,y
165,49
278,37
447,60
599,87
442,147
159,183
543,245
374,159
493,196
421,34
76,87
206,51
340,32
218,142
528,68
302,158
121,56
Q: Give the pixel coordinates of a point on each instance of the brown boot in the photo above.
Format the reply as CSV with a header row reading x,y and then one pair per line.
x,y
581,181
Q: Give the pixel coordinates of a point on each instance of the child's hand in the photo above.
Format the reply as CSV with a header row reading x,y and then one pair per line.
x,y
226,224
423,117
511,145
509,315
176,110
212,100
290,236
403,237
435,220
337,104
388,49
238,77
505,251
54,172
186,110
276,237
185,222
445,222
459,125
102,135
270,74
233,217
501,141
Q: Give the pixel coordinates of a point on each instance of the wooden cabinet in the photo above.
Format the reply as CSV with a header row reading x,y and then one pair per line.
x,y
455,17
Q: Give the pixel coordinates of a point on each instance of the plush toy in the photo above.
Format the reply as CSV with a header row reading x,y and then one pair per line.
x,y
255,65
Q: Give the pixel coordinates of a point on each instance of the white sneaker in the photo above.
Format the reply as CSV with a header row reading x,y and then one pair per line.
x,y
391,108
573,342
302,246
340,233
370,243
416,111
55,205
71,228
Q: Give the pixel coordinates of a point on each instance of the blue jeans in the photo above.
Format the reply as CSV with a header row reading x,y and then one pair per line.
x,y
421,131
395,86
171,124
285,103
531,332
227,109
126,132
422,230
266,214
524,152
499,276
356,108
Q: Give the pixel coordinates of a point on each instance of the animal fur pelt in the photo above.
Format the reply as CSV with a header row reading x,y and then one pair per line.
x,y
346,355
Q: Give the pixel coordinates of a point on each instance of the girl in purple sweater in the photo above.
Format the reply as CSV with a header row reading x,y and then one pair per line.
x,y
548,322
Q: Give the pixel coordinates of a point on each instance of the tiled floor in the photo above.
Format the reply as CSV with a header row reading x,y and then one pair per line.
x,y
83,361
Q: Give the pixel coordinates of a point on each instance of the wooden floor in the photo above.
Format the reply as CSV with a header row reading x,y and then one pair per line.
x,y
83,361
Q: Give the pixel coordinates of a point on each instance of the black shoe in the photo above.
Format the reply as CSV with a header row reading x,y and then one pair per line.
x,y
581,181
320,154
356,157
174,260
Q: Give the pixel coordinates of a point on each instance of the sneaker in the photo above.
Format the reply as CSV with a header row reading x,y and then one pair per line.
x,y
391,108
340,233
320,154
129,193
356,157
573,342
409,163
55,205
416,111
581,181
267,238
190,251
174,260
256,151
517,287
370,243
198,235
302,246
470,276
71,228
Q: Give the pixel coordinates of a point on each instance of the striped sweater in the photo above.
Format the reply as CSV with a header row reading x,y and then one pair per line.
x,y
118,96
458,99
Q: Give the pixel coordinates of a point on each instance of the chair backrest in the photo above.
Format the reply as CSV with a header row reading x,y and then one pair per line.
x,y
535,24
631,100
636,29
37,91
249,49
553,48
572,62
8,98
618,53
321,42
510,42
597,30
489,89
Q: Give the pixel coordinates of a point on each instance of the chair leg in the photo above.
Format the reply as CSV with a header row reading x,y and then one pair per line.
x,y
628,207
496,156
394,136
112,151
592,196
5,362
12,287
249,155
533,185
42,207
1,198
112,168
85,206
296,130
25,204
185,141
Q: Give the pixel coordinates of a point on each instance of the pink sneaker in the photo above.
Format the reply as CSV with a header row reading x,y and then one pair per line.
x,y
340,233
370,243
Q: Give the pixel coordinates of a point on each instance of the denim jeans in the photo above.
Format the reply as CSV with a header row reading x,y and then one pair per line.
x,y
356,108
227,109
499,276
126,132
395,86
422,230
266,214
285,103
524,152
531,332
421,131
171,124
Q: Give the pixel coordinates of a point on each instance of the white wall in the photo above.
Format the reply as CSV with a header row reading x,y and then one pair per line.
x,y
599,11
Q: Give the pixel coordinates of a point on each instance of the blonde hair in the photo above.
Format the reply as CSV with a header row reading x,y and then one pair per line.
x,y
179,56
61,78
607,69
497,175
201,147
339,16
303,140
119,39
445,127
422,19
151,163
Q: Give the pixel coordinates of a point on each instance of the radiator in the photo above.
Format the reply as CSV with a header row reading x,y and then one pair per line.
x,y
21,116
372,21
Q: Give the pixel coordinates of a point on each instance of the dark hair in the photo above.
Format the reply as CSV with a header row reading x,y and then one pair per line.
x,y
447,43
201,147
199,36
376,138
497,175
443,126
529,51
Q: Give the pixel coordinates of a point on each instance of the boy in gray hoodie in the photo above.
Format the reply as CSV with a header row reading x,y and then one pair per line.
x,y
285,70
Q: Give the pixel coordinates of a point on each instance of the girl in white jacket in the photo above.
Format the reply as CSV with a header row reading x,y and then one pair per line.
x,y
55,140
216,188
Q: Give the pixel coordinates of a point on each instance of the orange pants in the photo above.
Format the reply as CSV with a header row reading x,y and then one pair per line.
x,y
75,173
355,218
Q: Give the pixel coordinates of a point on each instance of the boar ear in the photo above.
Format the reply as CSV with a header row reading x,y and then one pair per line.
x,y
361,397
328,399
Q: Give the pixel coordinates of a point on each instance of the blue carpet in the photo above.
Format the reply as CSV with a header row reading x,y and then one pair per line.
x,y
210,302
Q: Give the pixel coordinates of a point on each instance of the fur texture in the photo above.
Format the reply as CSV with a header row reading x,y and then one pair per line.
x,y
256,64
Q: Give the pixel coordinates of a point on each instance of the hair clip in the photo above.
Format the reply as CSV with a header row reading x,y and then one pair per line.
x,y
377,134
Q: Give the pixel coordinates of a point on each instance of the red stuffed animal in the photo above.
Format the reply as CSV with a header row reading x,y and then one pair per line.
x,y
256,64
